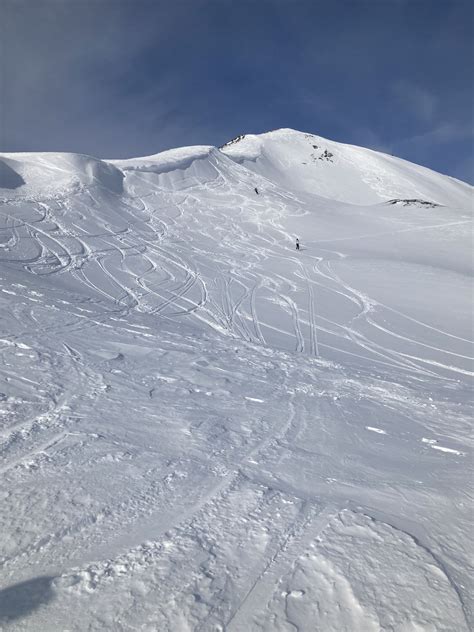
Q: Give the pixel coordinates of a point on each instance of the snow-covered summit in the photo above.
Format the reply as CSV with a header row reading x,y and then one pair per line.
x,y
343,172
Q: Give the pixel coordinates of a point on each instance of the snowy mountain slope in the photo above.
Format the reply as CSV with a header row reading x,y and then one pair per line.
x,y
343,172
204,429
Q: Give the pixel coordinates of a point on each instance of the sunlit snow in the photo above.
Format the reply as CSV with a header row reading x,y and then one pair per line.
x,y
202,428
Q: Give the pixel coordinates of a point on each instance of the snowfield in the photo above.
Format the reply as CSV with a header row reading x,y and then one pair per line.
x,y
203,429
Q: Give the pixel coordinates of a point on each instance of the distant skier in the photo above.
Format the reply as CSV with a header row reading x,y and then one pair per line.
x,y
297,244
256,190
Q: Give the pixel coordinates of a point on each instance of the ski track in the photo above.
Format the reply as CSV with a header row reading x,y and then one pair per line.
x,y
125,296
191,516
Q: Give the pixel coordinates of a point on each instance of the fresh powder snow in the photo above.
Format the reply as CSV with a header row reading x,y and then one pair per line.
x,y
204,429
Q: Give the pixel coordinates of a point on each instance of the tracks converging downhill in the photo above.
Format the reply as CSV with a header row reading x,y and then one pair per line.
x,y
203,429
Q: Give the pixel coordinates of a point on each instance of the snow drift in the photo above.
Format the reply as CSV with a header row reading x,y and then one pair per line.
x,y
56,173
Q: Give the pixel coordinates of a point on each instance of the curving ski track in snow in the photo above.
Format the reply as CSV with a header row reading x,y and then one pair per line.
x,y
202,429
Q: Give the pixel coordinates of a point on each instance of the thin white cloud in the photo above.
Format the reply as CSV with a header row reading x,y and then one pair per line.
x,y
444,133
418,101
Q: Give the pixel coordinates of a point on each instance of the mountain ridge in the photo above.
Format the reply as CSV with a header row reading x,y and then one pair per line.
x,y
300,161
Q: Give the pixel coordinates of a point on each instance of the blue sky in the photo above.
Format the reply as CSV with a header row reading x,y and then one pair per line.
x,y
119,79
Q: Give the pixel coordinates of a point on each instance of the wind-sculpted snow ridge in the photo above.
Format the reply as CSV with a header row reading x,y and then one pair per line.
x,y
166,161
202,428
52,174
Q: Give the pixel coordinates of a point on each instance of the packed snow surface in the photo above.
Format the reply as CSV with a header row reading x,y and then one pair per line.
x,y
204,429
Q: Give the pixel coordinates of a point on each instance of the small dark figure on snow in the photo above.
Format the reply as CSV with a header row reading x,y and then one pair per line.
x,y
297,244
256,190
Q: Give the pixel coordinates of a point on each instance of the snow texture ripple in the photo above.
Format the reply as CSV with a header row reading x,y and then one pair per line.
x,y
203,429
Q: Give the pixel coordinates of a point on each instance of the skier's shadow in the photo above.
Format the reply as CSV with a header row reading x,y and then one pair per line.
x,y
20,599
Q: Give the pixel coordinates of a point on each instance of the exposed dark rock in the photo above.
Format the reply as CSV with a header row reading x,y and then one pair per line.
x,y
414,202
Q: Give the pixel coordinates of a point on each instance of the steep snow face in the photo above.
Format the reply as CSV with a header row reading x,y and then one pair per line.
x,y
202,428
182,168
337,171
